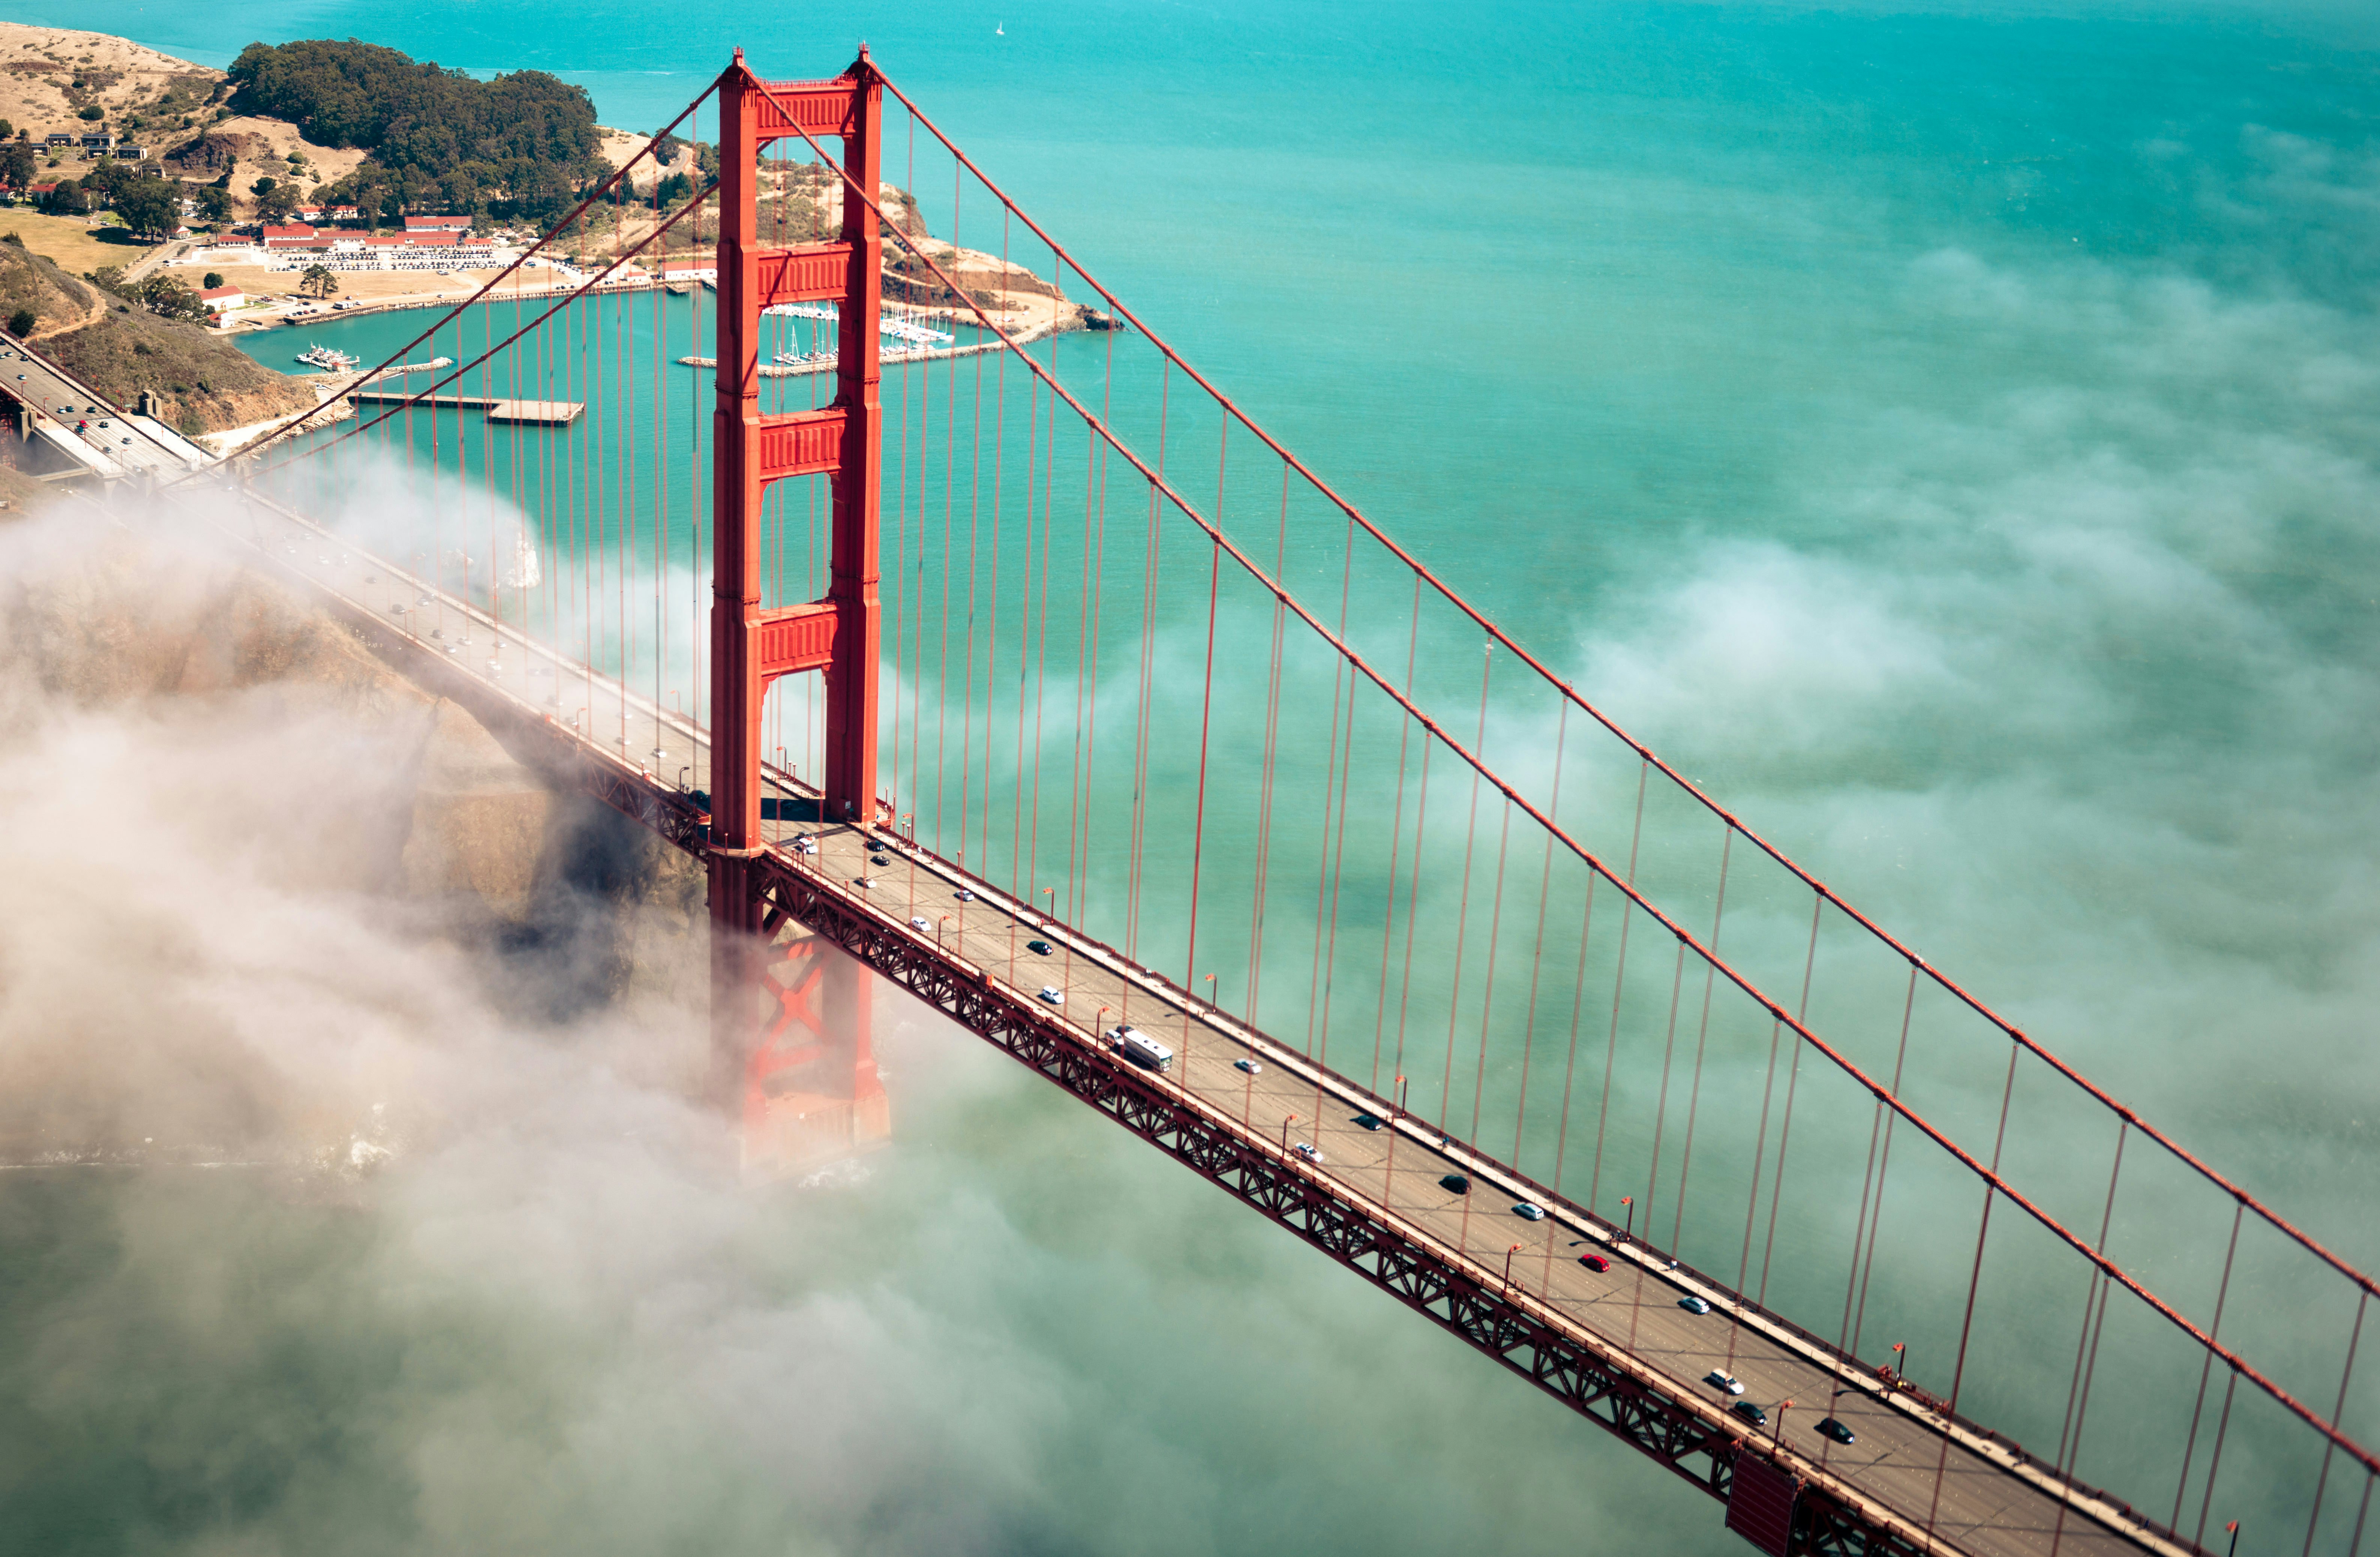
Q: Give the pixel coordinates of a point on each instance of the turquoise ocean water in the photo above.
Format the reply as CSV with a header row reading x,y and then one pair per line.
x,y
1949,435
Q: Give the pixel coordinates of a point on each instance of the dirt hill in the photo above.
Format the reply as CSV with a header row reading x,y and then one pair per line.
x,y
208,384
48,74
29,281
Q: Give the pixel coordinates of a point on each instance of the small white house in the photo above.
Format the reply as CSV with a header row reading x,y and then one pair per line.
x,y
220,298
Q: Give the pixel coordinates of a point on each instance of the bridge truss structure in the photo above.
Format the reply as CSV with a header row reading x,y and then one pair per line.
x,y
1091,706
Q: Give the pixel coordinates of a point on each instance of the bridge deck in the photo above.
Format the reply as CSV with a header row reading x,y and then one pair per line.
x,y
1914,1482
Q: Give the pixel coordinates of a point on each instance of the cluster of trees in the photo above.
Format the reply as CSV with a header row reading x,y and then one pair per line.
x,y
520,144
149,205
161,294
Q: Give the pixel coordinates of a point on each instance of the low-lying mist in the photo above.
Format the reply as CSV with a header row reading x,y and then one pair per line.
x,y
332,1219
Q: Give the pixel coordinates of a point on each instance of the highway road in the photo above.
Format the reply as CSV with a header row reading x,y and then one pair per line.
x,y
84,425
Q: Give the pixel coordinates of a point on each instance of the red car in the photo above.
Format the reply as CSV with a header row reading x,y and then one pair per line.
x,y
1594,1262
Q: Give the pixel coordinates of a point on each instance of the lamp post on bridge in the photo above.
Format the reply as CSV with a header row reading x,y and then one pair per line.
x,y
1508,1266
2234,1528
1627,1203
1777,1442
1285,1133
1900,1366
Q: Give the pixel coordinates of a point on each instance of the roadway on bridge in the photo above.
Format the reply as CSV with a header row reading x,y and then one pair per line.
x,y
86,428
1989,1503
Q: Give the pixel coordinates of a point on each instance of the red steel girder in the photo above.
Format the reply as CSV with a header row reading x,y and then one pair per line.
x,y
808,272
798,638
801,444
820,107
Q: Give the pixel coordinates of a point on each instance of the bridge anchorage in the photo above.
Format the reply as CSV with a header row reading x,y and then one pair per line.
x,y
1050,687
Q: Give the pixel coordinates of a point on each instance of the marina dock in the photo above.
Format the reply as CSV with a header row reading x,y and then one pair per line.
x,y
539,413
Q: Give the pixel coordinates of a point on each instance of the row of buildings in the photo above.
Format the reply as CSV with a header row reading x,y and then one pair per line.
x,y
97,142
428,243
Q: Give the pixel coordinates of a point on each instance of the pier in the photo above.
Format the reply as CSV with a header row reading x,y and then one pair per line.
x,y
539,413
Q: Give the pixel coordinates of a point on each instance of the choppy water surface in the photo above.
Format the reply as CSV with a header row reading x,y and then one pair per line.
x,y
1949,437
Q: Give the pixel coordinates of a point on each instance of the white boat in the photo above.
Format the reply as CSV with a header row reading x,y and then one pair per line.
x,y
330,362
896,326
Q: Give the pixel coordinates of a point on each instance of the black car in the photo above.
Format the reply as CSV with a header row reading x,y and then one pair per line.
x,y
1455,1182
880,859
1749,1412
1038,948
1835,1430
1368,1121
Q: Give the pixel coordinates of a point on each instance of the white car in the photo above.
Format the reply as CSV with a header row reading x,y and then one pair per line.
x,y
1305,1150
1726,1382
917,922
863,881
964,895
1528,1213
1248,1066
1054,996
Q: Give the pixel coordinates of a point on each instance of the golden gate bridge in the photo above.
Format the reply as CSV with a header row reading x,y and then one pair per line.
x,y
1044,684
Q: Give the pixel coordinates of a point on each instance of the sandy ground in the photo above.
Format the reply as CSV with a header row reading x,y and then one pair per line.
x,y
67,239
374,286
125,75
323,165
619,145
259,282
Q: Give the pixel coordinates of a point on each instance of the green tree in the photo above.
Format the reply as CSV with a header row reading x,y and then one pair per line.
x,y
92,111
525,139
215,203
103,182
16,163
318,282
262,187
66,199
150,206
170,298
7,129
211,280
21,323
276,204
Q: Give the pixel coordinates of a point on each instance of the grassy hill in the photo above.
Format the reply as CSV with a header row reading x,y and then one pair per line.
x,y
207,383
